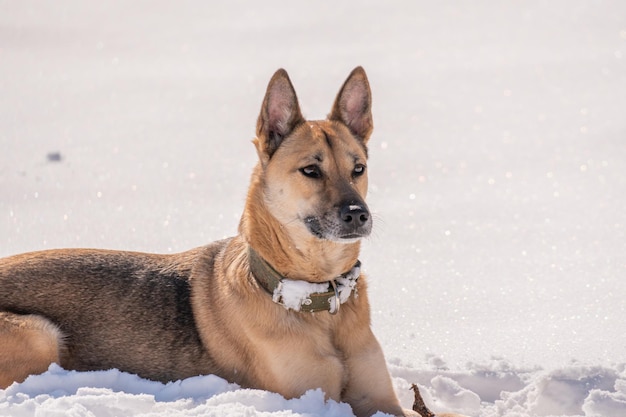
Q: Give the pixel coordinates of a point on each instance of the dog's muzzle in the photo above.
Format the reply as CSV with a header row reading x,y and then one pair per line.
x,y
355,221
347,223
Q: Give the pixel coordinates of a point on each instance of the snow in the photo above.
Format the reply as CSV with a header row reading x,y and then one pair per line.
x,y
496,390
293,294
113,393
497,178
346,283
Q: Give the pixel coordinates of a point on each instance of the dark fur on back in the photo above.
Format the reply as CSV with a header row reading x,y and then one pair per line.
x,y
98,322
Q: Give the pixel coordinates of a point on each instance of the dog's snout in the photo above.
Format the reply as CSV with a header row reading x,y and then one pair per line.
x,y
354,215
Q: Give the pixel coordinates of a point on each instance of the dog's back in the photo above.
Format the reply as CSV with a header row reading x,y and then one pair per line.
x,y
113,309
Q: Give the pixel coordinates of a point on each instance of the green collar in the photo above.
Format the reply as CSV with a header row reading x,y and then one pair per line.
x,y
303,295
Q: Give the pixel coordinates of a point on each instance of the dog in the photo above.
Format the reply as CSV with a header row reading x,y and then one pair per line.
x,y
282,306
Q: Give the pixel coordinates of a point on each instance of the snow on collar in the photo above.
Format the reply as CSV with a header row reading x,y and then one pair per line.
x,y
303,295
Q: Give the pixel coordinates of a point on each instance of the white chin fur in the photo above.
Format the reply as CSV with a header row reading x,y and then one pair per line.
x,y
345,241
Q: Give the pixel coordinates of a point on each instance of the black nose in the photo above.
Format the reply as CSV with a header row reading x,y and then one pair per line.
x,y
354,215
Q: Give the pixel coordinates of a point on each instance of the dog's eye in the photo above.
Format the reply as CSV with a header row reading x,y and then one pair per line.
x,y
311,171
359,170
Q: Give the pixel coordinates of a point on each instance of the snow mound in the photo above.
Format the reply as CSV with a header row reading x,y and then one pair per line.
x,y
579,390
496,389
115,393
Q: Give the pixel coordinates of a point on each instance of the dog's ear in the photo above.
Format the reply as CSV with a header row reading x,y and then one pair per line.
x,y
353,105
280,114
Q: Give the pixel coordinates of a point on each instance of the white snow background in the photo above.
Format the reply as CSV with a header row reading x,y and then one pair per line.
x,y
498,180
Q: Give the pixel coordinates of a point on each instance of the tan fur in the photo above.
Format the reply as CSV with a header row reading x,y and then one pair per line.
x,y
168,317
29,345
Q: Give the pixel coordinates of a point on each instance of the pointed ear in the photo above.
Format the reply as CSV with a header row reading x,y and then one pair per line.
x,y
280,114
353,105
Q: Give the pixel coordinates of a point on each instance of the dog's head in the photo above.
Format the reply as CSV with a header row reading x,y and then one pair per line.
x,y
314,173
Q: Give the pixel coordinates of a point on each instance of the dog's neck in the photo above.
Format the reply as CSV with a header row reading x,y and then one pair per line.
x,y
307,258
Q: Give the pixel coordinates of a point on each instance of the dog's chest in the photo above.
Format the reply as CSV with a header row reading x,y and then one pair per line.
x,y
297,363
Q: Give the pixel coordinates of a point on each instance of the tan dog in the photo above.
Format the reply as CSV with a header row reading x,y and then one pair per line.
x,y
279,307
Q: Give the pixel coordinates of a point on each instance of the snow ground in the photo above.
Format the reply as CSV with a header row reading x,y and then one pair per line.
x,y
498,178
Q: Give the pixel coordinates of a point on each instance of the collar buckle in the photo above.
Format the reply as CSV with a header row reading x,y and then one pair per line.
x,y
334,301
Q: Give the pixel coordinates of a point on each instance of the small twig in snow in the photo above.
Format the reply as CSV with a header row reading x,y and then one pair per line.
x,y
418,404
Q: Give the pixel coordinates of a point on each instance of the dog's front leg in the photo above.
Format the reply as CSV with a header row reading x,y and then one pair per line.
x,y
369,387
